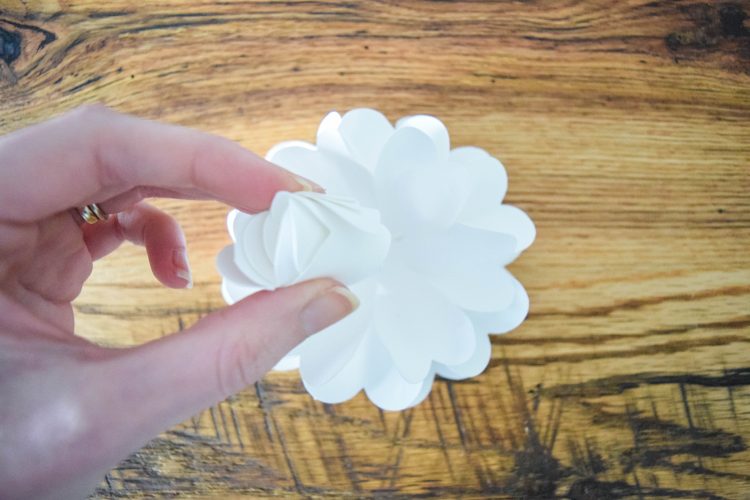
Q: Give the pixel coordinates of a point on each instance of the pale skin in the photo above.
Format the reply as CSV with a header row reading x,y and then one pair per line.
x,y
69,409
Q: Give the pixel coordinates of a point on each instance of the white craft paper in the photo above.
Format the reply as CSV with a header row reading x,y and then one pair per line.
x,y
419,233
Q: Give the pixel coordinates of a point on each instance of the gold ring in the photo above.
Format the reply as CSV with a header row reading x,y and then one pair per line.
x,y
92,213
100,214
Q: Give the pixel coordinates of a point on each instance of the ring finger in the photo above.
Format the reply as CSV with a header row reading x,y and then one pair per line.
x,y
145,225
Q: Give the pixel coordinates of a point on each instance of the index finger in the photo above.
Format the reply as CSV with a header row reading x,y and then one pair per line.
x,y
94,153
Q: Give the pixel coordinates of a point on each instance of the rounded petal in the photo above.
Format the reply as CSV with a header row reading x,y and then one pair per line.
x,y
465,264
504,320
292,155
326,353
342,387
328,138
393,392
235,286
506,219
485,175
473,366
408,149
367,365
417,325
365,132
228,269
426,388
250,255
237,221
433,128
416,191
336,174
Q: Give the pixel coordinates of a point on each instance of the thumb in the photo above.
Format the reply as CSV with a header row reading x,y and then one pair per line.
x,y
166,381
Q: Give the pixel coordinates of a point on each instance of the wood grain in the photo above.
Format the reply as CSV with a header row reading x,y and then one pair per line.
x,y
624,129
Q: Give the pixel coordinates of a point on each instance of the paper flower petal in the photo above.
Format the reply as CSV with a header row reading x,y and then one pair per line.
x,y
310,235
432,128
425,390
232,292
506,219
356,246
393,392
367,366
473,366
503,320
465,264
329,138
324,354
250,254
338,175
365,131
415,190
418,325
486,176
228,269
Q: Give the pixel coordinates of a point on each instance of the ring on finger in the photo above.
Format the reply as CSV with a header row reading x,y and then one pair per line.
x,y
92,213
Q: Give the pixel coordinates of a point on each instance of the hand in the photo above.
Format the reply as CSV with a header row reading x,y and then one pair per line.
x,y
71,410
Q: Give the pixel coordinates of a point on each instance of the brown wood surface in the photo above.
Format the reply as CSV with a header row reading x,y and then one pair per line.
x,y
625,130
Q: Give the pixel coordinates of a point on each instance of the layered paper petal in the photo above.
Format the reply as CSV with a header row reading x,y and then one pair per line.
x,y
485,176
506,219
418,325
506,319
325,354
393,392
465,264
337,174
365,131
432,128
473,366
367,366
416,191
329,139
309,235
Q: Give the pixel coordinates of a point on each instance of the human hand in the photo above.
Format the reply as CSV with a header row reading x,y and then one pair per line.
x,y
71,410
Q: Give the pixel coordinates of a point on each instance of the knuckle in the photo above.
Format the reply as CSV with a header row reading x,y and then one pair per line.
x,y
95,121
91,111
73,274
198,159
235,360
82,267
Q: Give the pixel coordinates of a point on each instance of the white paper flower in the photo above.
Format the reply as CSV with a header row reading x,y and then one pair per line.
x,y
431,297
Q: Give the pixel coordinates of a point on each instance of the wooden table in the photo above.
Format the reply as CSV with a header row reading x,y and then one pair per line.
x,y
625,130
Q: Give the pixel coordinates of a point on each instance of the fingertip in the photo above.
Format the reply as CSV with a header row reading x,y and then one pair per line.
x,y
186,277
182,267
307,185
327,308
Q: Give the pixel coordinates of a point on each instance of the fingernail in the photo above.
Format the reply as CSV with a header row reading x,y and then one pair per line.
x,y
182,268
308,185
328,308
